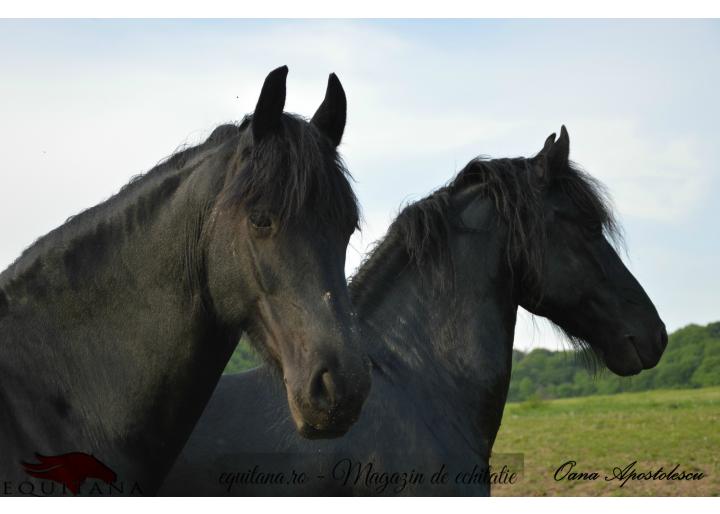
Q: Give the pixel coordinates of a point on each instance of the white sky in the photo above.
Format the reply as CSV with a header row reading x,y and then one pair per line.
x,y
85,105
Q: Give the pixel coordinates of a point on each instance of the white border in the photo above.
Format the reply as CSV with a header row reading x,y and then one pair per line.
x,y
362,9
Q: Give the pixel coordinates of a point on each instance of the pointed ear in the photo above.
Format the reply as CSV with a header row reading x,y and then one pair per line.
x,y
548,144
560,151
331,115
540,161
270,105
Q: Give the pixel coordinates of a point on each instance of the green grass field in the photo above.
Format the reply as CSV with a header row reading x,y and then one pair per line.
x,y
655,428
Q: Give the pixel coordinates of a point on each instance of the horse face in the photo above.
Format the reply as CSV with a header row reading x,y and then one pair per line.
x,y
278,249
301,318
583,286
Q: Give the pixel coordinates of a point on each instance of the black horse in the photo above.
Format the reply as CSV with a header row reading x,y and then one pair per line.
x,y
437,302
115,328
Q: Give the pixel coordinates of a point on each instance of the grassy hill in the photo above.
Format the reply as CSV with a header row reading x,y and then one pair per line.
x,y
654,428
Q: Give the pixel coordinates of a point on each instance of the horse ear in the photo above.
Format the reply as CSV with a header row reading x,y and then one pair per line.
x,y
540,161
560,151
331,115
547,147
270,105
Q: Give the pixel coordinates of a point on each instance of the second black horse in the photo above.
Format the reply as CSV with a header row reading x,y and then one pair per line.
x,y
437,303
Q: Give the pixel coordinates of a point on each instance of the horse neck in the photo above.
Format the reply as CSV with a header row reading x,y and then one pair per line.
x,y
108,326
449,349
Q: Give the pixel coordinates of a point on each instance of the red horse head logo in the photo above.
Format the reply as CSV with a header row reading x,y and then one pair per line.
x,y
70,469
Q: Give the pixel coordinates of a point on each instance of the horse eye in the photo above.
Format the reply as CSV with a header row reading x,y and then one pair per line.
x,y
260,221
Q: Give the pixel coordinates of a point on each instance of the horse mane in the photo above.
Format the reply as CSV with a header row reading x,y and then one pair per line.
x,y
146,189
296,172
180,158
516,192
419,234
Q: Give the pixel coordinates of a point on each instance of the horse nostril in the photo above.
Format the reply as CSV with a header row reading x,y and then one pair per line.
x,y
323,390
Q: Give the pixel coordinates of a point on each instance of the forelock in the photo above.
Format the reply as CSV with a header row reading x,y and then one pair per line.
x,y
295,172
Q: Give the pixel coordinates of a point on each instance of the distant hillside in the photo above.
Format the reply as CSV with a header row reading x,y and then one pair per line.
x,y
692,359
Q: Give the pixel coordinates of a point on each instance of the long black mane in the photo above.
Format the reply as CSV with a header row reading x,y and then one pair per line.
x,y
419,234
